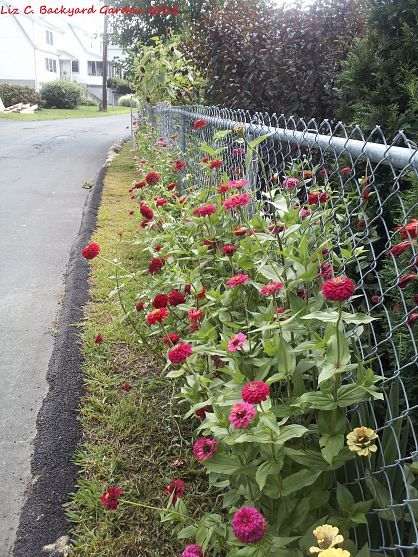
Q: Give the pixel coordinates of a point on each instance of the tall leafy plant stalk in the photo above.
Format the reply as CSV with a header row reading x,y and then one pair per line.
x,y
253,315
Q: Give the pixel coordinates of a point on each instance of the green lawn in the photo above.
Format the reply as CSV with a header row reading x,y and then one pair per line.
x,y
59,113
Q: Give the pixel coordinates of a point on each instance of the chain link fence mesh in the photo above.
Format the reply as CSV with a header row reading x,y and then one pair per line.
x,y
373,184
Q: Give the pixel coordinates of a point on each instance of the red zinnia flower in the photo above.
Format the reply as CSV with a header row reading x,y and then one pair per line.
x,y
200,124
131,212
155,266
126,387
110,498
412,317
139,306
326,271
176,297
152,178
338,289
204,210
317,197
345,170
405,280
228,250
211,244
201,294
375,299
205,159
140,184
215,164
205,448
239,230
176,487
161,202
361,224
237,200
399,248
255,392
146,211
91,251
187,288
237,280
201,413
98,339
180,353
157,316
160,301
410,230
179,165
223,188
171,186
249,525
171,339
195,314
323,172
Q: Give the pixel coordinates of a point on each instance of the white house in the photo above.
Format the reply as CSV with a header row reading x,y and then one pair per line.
x,y
37,49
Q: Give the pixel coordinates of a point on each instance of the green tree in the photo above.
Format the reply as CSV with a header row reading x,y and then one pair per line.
x,y
129,30
379,82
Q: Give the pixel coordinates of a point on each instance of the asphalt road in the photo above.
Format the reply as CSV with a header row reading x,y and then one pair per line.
x,y
42,168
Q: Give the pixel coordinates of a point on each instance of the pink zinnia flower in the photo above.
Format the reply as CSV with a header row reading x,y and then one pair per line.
x,y
271,288
236,342
290,183
241,415
237,151
238,184
238,200
205,448
180,353
195,314
237,280
204,210
192,551
255,392
326,271
249,525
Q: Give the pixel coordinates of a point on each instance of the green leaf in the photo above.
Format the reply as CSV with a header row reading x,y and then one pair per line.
x,y
208,149
252,144
223,464
364,551
318,400
300,479
187,532
344,498
176,372
331,445
264,470
312,459
290,432
357,318
325,316
350,394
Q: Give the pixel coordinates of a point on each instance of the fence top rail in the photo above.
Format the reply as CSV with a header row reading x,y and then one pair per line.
x,y
392,155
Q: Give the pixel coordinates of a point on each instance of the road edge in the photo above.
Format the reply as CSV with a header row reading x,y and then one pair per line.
x,y
42,518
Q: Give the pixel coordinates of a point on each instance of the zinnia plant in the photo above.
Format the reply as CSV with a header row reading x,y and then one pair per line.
x,y
255,316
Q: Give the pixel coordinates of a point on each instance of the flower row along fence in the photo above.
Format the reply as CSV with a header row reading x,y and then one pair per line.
x,y
312,202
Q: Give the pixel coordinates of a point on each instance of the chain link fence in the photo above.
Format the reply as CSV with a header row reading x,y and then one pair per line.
x,y
374,186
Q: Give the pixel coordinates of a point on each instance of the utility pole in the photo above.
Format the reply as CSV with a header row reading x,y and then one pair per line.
x,y
104,87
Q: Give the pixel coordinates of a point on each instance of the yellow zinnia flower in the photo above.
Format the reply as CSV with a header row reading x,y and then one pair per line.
x,y
362,441
335,552
327,537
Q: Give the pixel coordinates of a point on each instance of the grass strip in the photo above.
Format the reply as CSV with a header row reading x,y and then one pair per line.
x,y
64,113
135,440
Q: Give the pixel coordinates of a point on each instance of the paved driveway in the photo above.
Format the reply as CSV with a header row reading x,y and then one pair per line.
x,y
42,168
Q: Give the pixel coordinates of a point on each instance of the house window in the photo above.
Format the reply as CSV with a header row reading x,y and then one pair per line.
x,y
49,37
95,68
75,66
51,65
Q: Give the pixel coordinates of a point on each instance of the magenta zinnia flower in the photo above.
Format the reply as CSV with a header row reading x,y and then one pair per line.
x,y
236,342
205,448
255,392
290,183
241,415
192,551
238,280
249,525
176,487
271,288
